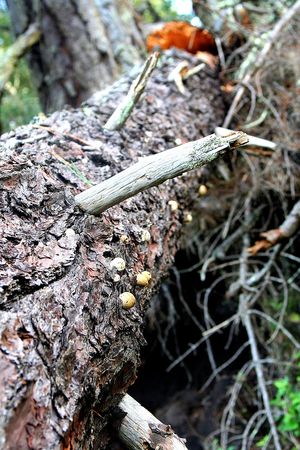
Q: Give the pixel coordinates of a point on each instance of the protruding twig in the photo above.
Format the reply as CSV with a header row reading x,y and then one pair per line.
x,y
155,169
140,429
123,111
16,51
286,230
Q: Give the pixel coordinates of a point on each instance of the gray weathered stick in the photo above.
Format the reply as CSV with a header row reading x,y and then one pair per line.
x,y
123,111
155,169
292,222
140,429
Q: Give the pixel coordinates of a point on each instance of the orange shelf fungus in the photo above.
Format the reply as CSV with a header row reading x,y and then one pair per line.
x,y
181,35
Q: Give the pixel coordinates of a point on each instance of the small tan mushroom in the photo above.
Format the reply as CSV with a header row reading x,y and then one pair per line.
x,y
124,239
119,264
143,278
202,190
173,205
187,218
128,300
145,236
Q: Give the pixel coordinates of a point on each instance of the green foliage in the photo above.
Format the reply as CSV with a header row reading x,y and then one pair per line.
x,y
20,100
286,404
5,38
263,441
158,10
274,306
287,401
216,446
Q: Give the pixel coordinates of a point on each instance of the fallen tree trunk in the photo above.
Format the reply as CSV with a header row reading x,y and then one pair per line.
x,y
68,348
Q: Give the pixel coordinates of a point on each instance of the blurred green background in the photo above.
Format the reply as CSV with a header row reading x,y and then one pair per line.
x,y
20,100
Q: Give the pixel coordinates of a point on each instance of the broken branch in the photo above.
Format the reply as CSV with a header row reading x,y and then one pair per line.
x,y
155,169
123,111
182,72
286,230
140,429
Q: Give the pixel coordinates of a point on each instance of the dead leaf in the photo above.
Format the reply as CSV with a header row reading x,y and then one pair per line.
x,y
259,246
259,152
271,238
243,17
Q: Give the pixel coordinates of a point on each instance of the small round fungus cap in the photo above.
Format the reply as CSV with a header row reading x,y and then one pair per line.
x,y
128,300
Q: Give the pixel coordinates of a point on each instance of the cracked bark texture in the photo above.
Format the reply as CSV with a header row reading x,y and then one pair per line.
x,y
67,349
85,45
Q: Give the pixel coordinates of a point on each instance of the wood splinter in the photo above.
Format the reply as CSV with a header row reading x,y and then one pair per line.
x,y
252,140
155,169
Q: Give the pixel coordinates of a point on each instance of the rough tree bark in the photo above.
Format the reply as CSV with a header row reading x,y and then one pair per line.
x,y
85,45
68,349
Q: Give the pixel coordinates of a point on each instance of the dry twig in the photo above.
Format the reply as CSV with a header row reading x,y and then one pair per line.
x,y
123,111
155,169
72,137
286,230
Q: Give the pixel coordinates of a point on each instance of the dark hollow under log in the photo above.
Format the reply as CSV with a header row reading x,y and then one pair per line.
x,y
68,349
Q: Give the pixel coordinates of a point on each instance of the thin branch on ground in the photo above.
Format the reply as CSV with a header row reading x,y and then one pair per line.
x,y
253,140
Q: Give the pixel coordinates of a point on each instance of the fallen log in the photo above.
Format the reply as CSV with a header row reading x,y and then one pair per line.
x,y
69,350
